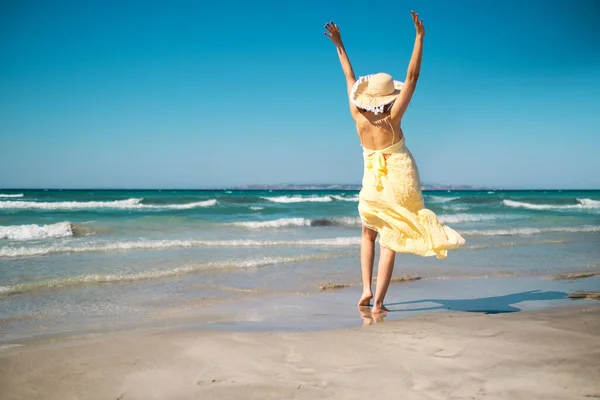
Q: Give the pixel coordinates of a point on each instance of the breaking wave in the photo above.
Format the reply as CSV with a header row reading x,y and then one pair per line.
x,y
297,222
16,251
29,232
511,244
299,199
531,231
50,231
310,199
342,198
458,218
129,204
156,274
11,195
441,199
583,204
455,207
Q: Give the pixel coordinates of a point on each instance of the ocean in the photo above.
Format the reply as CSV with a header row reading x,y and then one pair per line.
x,y
92,257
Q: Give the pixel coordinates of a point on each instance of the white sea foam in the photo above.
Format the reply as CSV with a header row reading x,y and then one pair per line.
x,y
589,203
29,232
185,206
583,204
525,231
441,199
347,221
298,222
310,199
455,207
129,204
299,199
97,246
511,244
342,198
11,195
277,223
161,273
256,208
458,218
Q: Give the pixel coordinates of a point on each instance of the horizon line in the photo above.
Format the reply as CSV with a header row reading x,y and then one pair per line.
x,y
308,187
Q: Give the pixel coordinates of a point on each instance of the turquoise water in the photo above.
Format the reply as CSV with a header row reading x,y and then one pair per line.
x,y
103,254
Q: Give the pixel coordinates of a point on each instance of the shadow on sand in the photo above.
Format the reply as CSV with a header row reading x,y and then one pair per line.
x,y
486,305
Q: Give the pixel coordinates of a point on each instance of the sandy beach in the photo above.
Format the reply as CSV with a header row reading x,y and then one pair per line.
x,y
185,187
544,354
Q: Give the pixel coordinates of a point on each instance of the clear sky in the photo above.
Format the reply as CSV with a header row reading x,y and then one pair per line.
x,y
195,94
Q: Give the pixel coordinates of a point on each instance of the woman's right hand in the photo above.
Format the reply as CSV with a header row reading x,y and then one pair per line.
x,y
333,33
418,24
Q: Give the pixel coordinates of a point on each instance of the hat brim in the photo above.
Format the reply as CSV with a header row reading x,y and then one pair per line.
x,y
361,99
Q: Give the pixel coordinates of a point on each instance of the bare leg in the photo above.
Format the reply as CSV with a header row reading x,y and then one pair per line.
x,y
384,274
367,257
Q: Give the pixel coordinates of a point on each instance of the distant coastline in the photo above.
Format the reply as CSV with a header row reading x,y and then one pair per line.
x,y
292,187
348,187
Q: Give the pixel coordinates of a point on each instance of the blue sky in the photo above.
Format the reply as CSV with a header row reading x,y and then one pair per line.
x,y
195,94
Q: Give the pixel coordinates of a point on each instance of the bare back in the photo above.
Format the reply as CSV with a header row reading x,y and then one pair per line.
x,y
379,131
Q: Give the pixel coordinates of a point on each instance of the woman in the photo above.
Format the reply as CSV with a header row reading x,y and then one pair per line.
x,y
390,202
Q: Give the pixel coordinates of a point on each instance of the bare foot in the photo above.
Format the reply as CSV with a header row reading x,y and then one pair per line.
x,y
365,299
379,309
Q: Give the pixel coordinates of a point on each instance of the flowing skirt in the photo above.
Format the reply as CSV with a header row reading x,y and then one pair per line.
x,y
391,203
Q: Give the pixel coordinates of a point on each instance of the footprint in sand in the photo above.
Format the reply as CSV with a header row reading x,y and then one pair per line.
x,y
450,352
213,381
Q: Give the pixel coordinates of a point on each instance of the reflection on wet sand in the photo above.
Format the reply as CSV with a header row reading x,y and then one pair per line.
x,y
368,317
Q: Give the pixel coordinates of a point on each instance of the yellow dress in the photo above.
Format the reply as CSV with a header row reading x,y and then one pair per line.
x,y
391,203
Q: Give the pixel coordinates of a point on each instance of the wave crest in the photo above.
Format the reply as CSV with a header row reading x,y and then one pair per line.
x,y
441,199
298,222
532,231
583,204
32,231
342,198
156,274
310,199
277,223
11,195
459,218
129,204
455,207
298,199
14,251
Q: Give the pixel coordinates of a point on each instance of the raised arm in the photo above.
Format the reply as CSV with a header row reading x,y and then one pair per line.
x,y
412,75
333,33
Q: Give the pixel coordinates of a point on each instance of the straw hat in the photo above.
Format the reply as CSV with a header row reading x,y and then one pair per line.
x,y
374,92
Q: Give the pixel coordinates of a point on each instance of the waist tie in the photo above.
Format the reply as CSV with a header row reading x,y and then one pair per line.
x,y
377,164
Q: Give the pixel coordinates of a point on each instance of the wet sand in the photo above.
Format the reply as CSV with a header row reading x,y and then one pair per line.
x,y
543,354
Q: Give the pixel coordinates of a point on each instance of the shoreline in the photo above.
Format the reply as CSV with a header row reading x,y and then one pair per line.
x,y
431,355
323,310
